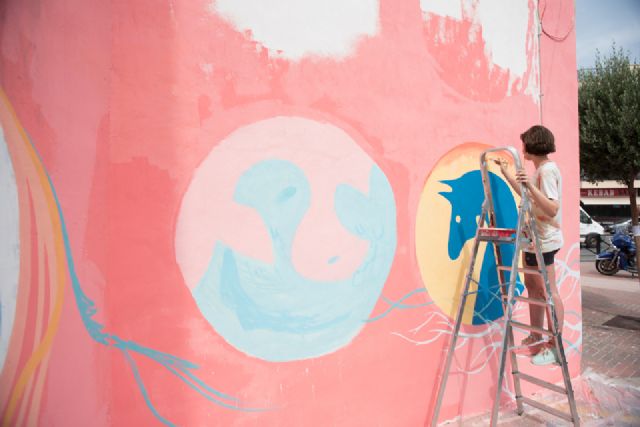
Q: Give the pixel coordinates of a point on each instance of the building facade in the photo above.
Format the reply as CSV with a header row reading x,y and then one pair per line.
x,y
607,201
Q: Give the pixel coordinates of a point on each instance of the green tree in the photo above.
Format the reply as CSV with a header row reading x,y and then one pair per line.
x,y
609,107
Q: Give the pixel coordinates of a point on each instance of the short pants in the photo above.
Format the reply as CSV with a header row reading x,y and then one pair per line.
x,y
531,261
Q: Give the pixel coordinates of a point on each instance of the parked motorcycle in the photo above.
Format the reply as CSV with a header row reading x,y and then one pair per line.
x,y
620,256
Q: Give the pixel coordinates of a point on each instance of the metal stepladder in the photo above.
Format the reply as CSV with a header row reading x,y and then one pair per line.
x,y
525,234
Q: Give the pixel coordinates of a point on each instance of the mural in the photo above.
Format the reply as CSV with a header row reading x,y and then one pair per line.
x,y
319,254
32,290
218,213
61,254
459,213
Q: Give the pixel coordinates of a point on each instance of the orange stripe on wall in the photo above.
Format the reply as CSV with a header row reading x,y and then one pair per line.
x,y
35,176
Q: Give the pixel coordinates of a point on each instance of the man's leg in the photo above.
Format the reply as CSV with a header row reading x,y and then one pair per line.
x,y
535,288
557,300
534,285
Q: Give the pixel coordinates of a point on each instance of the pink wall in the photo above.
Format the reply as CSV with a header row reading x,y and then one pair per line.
x,y
224,215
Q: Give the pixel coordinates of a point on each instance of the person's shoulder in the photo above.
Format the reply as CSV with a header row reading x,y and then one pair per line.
x,y
551,166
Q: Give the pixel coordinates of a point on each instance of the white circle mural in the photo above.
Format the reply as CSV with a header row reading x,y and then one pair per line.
x,y
297,28
285,237
9,247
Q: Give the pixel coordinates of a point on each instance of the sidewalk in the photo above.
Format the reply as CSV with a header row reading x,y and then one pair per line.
x,y
608,391
611,346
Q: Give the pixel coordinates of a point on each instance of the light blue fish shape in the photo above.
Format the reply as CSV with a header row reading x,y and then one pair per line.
x,y
269,310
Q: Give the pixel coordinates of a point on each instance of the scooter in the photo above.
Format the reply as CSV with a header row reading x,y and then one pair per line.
x,y
620,256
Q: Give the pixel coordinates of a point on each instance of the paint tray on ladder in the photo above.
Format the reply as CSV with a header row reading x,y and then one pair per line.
x,y
499,234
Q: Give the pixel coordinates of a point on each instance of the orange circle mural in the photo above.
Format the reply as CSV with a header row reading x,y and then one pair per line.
x,y
448,213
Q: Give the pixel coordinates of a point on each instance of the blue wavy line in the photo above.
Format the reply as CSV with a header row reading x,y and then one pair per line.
x,y
143,389
87,309
398,304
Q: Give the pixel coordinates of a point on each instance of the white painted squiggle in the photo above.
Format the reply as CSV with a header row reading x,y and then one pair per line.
x,y
438,325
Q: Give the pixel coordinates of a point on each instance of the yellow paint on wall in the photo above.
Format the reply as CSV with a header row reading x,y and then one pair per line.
x,y
442,277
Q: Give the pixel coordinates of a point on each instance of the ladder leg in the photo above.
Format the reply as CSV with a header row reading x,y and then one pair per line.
x,y
454,338
557,332
507,338
503,360
447,365
567,380
516,378
511,343
559,345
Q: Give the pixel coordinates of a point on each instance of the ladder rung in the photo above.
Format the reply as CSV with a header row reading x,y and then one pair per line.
x,y
541,383
496,239
495,231
531,328
534,301
546,408
520,270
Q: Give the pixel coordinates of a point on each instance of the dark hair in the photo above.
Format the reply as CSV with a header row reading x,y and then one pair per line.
x,y
538,140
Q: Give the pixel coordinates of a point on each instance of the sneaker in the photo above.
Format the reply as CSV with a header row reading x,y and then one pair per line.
x,y
547,356
531,340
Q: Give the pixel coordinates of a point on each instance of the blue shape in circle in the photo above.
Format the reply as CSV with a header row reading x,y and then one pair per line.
x,y
466,200
271,311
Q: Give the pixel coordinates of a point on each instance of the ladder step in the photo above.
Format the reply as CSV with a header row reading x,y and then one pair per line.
x,y
495,232
541,383
531,328
490,234
546,408
520,270
535,301
497,239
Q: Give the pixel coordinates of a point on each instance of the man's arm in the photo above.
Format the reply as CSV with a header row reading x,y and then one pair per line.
x,y
548,206
511,178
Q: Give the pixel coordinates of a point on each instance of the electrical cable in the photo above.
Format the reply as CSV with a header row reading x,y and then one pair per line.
x,y
551,36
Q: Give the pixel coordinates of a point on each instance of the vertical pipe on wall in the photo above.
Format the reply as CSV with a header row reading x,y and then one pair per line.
x,y
539,27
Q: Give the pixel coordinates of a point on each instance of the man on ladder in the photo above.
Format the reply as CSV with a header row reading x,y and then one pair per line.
x,y
545,194
538,237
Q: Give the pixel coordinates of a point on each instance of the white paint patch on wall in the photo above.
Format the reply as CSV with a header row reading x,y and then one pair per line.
x,y
505,28
9,248
294,29
452,9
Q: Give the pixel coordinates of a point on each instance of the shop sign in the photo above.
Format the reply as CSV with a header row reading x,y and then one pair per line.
x,y
604,192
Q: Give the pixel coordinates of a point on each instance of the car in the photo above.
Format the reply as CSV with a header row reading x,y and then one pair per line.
x,y
590,230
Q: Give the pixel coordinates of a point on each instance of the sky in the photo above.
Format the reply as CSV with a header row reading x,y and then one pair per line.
x,y
600,22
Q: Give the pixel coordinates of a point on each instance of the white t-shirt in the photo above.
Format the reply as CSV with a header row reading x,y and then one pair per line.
x,y
548,180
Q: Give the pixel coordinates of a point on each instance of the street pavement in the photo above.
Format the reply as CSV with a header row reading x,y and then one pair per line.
x,y
608,391
613,351
610,349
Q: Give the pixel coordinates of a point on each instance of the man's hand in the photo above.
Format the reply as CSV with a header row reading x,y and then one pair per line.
x,y
504,168
500,161
522,178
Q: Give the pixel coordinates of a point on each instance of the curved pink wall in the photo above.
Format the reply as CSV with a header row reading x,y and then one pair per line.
x,y
126,103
